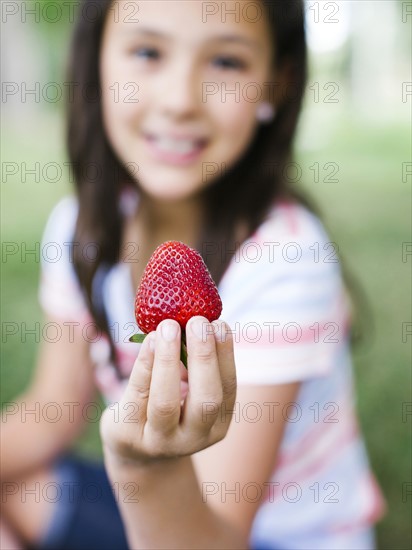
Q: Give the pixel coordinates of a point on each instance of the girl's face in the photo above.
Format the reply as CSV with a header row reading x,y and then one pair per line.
x,y
180,88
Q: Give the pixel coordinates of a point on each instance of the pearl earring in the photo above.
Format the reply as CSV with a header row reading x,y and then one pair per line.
x,y
265,112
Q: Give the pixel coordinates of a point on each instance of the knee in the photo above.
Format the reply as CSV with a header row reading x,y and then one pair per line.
x,y
9,540
24,507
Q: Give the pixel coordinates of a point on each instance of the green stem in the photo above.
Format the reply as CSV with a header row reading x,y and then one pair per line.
x,y
139,338
183,349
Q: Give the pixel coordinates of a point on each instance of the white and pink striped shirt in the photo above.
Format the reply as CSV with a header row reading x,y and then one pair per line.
x,y
284,300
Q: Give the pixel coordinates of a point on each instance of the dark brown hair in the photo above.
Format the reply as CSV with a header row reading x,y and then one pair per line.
x,y
101,222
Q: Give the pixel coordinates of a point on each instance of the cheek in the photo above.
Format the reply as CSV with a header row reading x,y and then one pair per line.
x,y
121,98
121,108
118,112
236,123
236,116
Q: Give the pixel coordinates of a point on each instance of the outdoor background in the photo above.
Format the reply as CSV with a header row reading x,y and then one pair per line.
x,y
357,117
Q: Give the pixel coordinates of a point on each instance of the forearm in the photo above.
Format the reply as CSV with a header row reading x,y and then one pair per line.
x,y
33,434
167,510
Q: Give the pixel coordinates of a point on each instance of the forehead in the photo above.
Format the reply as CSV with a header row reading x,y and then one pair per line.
x,y
192,21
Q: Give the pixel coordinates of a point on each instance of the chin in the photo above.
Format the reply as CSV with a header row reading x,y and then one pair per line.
x,y
170,191
175,197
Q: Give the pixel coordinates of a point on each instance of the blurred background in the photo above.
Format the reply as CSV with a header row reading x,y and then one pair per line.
x,y
354,154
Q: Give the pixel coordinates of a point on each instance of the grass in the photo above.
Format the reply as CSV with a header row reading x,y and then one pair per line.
x,y
367,212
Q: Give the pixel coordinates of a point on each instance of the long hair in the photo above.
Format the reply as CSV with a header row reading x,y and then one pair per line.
x,y
256,180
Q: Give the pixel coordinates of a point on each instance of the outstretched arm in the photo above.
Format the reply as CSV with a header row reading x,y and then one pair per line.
x,y
162,507
152,454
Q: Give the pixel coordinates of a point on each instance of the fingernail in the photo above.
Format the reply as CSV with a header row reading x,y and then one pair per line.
x,y
169,330
198,327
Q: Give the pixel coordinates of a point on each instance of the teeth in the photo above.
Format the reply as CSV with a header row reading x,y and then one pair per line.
x,y
180,146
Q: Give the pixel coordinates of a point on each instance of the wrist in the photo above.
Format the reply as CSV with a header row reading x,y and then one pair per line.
x,y
119,465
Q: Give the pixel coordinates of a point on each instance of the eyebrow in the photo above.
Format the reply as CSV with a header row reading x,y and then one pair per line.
x,y
228,38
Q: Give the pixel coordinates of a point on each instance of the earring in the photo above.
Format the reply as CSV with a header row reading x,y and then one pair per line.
x,y
265,112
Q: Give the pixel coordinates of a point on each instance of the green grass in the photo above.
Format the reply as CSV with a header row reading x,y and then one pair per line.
x,y
367,212
24,211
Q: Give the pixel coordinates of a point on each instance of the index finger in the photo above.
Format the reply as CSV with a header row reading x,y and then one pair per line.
x,y
138,387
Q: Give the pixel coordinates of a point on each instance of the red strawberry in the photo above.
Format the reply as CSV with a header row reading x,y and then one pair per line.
x,y
176,285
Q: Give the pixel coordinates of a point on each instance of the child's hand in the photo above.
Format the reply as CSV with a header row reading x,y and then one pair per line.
x,y
149,422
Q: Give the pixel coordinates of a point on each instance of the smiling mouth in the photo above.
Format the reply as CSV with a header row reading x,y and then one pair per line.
x,y
178,146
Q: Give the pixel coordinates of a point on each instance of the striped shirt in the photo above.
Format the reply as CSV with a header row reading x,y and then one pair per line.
x,y
285,302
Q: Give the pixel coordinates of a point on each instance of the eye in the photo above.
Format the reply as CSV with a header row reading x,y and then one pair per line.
x,y
147,53
230,63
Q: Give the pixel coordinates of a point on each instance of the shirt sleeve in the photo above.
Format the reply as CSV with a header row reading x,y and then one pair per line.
x,y
59,293
285,302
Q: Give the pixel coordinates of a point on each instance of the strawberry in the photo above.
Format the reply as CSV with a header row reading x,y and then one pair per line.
x,y
176,284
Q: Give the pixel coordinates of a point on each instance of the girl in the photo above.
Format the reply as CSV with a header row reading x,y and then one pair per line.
x,y
264,454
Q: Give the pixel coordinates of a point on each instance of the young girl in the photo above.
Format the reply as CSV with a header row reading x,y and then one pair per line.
x,y
180,126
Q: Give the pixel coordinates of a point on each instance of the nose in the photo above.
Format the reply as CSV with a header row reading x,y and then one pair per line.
x,y
179,90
